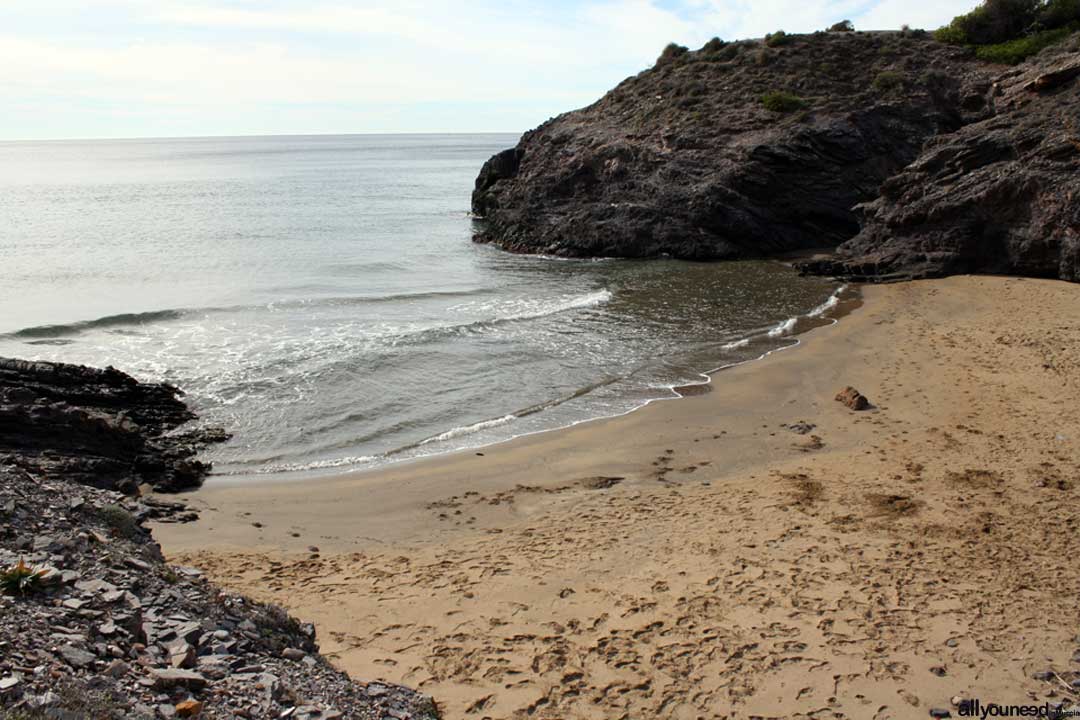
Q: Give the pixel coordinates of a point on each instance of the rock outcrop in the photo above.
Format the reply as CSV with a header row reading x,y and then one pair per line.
x,y
911,155
997,196
109,630
93,622
686,160
98,427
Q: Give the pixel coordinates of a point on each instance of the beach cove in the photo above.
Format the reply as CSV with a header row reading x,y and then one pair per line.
x,y
759,550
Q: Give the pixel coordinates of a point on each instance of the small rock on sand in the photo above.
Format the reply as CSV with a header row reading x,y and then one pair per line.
x,y
853,398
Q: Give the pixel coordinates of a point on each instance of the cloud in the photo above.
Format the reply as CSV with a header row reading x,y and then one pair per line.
x,y
363,64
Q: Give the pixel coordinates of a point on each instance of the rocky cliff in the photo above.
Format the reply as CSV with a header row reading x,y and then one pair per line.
x,y
997,196
763,147
93,622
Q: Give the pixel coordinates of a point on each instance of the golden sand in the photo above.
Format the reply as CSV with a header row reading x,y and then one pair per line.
x,y
699,558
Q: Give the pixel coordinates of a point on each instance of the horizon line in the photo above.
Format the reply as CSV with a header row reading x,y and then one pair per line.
x,y
253,135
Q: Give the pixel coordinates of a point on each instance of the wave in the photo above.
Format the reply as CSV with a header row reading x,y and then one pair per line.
x,y
789,325
468,429
154,316
55,331
829,304
578,302
735,344
301,467
784,327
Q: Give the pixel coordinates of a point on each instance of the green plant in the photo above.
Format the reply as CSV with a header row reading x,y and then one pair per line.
x,y
995,22
22,579
1059,13
119,520
777,39
671,53
842,26
1016,51
782,102
713,46
887,80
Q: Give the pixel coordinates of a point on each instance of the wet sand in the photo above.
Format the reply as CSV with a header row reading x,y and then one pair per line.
x,y
716,556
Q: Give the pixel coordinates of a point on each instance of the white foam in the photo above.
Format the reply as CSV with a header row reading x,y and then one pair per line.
x,y
588,300
469,429
784,328
314,465
735,344
828,304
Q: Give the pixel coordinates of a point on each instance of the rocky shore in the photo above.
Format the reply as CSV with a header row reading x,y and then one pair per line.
x,y
911,155
99,427
93,621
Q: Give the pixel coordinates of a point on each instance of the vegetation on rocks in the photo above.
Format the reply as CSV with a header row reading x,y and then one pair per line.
x,y
23,579
1010,31
782,102
777,39
887,80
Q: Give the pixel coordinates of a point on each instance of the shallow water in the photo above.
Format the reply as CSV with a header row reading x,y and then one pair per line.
x,y
320,296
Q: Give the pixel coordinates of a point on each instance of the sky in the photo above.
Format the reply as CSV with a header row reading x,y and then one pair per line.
x,y
163,68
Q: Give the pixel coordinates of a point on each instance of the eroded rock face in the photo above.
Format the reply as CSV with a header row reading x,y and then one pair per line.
x,y
997,196
98,427
685,160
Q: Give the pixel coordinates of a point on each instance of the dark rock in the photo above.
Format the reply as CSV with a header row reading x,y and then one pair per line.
x,y
98,427
853,399
685,160
960,169
1001,195
939,713
169,678
1044,675
75,657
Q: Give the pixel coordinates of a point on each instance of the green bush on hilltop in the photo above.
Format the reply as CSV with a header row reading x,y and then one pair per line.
x,y
1008,31
671,53
777,39
782,102
713,46
842,26
1016,51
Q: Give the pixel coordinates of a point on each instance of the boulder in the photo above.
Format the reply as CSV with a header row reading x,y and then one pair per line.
x,y
853,399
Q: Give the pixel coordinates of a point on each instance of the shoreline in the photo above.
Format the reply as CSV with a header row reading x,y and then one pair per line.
x,y
841,302
755,550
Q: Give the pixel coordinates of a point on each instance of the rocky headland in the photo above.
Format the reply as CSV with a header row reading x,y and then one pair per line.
x,y
93,622
910,156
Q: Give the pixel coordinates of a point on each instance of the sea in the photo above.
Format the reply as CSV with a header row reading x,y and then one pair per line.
x,y
320,297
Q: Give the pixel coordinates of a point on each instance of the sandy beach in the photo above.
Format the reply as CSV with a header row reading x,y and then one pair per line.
x,y
759,550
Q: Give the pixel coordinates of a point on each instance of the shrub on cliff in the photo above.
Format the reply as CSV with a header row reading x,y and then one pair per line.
x,y
1016,51
777,39
1001,21
842,26
119,520
887,80
713,46
782,102
671,53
